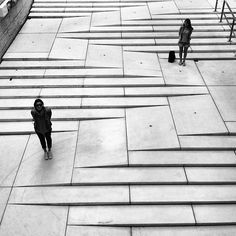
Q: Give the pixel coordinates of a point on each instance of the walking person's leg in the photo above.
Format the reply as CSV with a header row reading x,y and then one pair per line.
x,y
49,143
43,144
180,55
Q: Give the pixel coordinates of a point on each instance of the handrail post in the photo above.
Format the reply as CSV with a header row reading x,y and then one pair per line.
x,y
216,5
232,29
222,12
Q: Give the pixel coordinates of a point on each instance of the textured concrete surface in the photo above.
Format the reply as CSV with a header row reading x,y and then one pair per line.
x,y
137,141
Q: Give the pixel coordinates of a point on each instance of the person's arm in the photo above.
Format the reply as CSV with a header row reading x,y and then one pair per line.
x,y
180,30
33,114
49,113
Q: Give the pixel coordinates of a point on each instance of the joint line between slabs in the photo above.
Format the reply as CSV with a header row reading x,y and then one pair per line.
x,y
76,146
67,219
15,179
194,216
209,92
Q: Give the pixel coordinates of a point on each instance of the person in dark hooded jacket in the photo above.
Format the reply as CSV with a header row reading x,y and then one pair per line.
x,y
43,126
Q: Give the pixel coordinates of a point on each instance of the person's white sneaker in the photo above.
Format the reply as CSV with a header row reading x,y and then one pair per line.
x,y
45,155
49,154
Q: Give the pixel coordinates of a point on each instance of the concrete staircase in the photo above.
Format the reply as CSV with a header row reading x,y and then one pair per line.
x,y
141,147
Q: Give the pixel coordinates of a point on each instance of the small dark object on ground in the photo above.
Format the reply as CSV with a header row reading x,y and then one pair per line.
x,y
171,57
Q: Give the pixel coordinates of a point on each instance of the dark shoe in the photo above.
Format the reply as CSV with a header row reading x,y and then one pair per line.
x,y
180,63
184,63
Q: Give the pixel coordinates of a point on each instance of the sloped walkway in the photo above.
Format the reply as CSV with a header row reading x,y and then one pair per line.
x,y
141,147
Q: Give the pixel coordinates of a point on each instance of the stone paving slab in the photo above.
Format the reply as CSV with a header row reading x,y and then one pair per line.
x,y
4,195
141,64
41,26
184,231
104,56
19,128
34,220
26,55
27,103
40,43
41,83
215,214
225,99
196,115
207,142
132,13
76,195
97,230
166,91
58,14
183,194
69,49
83,114
22,73
129,175
218,72
81,92
101,142
231,127
188,4
123,42
17,93
105,18
124,102
210,56
220,175
178,158
91,35
34,170
123,82
131,215
121,28
42,64
176,75
150,128
63,114
77,73
163,7
153,49
12,150
75,24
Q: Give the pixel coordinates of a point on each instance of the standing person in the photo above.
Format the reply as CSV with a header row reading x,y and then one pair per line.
x,y
43,126
185,32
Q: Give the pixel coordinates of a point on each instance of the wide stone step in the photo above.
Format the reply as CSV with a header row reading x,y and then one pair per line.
x,y
81,82
170,231
19,128
104,195
63,114
129,175
74,105
182,158
103,92
131,215
76,195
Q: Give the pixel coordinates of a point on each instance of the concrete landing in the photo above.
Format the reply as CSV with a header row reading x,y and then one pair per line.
x,y
141,147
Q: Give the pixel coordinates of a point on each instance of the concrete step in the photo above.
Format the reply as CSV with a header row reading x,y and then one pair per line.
x,y
81,82
112,195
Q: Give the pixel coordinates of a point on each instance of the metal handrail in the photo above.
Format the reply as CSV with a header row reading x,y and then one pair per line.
x,y
226,18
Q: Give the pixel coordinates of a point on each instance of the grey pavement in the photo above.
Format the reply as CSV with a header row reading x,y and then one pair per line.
x,y
141,147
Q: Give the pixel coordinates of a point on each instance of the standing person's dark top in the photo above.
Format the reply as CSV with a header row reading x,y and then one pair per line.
x,y
185,32
43,126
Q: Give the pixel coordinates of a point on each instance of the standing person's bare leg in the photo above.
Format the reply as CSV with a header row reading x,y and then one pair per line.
x,y
180,55
185,55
